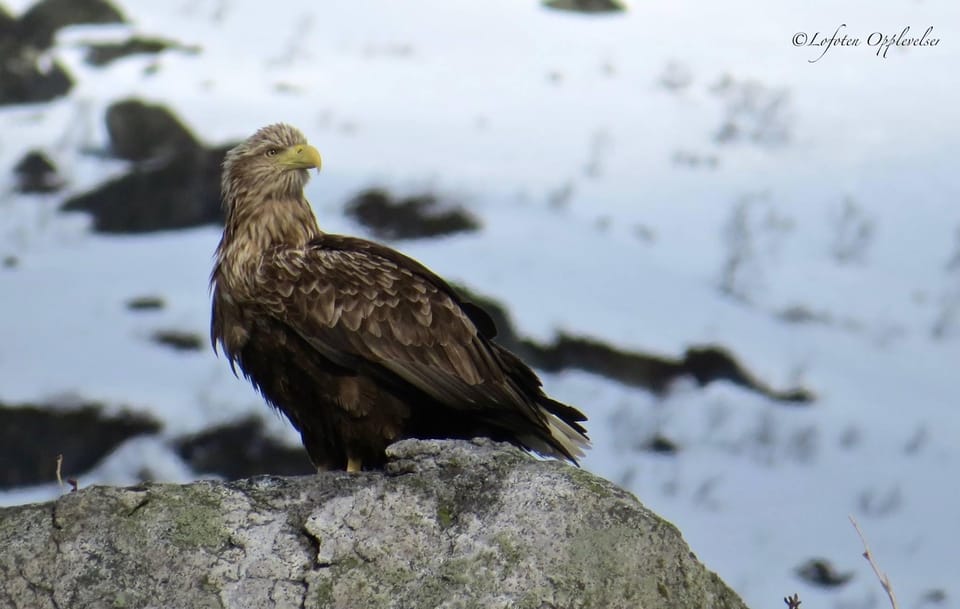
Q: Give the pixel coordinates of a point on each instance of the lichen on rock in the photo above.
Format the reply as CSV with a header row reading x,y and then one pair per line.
x,y
447,524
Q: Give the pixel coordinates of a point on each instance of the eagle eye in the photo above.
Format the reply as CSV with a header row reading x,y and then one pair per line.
x,y
273,152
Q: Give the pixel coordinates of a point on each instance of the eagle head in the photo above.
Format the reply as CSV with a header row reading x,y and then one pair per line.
x,y
272,164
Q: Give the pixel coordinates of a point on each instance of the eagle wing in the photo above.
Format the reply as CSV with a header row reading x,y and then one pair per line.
x,y
368,308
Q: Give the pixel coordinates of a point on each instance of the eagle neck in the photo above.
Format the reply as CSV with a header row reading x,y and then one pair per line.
x,y
253,230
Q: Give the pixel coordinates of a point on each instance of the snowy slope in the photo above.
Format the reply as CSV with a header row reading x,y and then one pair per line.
x,y
571,137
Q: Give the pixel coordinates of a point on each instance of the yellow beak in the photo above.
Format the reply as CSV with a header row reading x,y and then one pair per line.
x,y
302,156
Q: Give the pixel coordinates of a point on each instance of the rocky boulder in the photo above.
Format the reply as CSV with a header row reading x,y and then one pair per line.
x,y
26,75
448,524
140,131
36,174
32,435
40,23
417,217
173,183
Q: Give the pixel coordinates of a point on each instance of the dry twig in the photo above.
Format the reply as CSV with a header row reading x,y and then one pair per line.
x,y
884,580
74,485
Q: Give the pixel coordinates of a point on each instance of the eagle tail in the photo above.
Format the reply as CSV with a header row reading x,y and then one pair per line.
x,y
568,439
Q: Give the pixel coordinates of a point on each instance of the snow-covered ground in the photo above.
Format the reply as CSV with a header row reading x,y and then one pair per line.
x,y
676,175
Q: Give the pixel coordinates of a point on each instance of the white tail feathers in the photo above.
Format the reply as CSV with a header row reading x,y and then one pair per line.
x,y
573,442
565,441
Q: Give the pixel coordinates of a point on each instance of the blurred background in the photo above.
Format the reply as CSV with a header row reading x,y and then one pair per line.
x,y
737,250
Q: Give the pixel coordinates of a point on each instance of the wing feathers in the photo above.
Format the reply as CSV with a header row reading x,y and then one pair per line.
x,y
389,313
363,306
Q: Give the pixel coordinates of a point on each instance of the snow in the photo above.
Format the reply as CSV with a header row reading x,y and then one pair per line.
x,y
556,130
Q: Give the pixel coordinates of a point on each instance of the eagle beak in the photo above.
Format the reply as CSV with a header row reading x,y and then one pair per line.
x,y
301,156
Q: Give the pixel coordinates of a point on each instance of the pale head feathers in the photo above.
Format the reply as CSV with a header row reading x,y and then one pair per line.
x,y
273,163
262,194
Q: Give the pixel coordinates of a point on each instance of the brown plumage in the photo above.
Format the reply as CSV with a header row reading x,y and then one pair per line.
x,y
358,345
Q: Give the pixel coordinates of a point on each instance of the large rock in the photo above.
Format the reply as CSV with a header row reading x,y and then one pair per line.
x,y
173,183
32,435
586,6
449,524
705,364
140,131
415,217
7,23
103,53
36,174
241,449
40,23
25,79
26,75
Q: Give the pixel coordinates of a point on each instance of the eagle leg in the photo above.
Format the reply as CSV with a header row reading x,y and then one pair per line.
x,y
354,465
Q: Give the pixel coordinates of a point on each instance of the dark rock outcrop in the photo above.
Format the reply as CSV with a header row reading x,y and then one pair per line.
x,y
448,524
240,450
179,340
586,6
7,23
704,364
174,182
141,132
821,572
146,303
182,192
38,25
31,437
103,53
413,217
36,174
24,78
